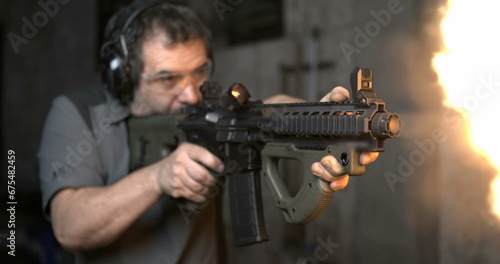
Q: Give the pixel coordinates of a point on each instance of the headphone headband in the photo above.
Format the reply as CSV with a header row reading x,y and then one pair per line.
x,y
122,22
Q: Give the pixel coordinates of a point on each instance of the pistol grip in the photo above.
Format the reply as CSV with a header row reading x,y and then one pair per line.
x,y
246,208
315,193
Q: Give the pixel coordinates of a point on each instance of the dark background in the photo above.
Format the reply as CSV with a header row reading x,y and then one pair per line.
x,y
290,46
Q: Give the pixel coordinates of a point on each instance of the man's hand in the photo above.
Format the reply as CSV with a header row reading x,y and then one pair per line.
x,y
329,168
182,174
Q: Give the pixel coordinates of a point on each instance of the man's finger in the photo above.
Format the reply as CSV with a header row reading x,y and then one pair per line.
x,y
318,170
338,94
205,157
195,197
336,182
198,173
193,185
368,157
331,164
340,183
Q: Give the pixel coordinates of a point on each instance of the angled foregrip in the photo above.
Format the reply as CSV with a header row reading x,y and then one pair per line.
x,y
246,208
315,193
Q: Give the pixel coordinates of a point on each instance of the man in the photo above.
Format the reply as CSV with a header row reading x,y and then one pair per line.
x,y
105,213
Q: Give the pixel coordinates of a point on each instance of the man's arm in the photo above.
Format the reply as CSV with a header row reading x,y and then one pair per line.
x,y
282,99
93,217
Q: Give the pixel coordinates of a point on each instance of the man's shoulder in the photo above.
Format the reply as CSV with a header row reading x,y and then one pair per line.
x,y
84,101
90,96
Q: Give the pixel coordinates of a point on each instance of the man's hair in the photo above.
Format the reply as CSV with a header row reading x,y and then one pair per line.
x,y
177,23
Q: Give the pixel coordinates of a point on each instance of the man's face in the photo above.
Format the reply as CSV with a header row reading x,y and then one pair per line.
x,y
171,76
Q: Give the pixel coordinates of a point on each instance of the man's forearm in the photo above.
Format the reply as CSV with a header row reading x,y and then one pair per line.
x,y
93,217
282,99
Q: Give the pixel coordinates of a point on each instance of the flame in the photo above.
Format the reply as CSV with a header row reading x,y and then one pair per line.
x,y
469,71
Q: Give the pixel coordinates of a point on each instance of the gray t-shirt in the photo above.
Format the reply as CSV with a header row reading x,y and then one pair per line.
x,y
85,143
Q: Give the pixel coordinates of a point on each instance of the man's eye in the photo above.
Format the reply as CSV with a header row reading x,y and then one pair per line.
x,y
171,79
201,73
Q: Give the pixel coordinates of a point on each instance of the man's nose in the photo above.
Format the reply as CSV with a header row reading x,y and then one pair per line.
x,y
189,94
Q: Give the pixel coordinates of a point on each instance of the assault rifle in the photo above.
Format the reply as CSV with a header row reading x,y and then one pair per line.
x,y
251,137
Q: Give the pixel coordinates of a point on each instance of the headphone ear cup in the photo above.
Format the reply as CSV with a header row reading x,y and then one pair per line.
x,y
114,71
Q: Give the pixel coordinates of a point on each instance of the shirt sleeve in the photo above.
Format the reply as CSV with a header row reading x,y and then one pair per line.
x,y
68,156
